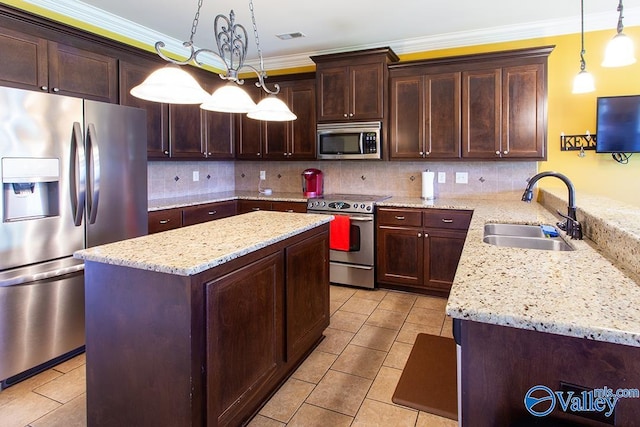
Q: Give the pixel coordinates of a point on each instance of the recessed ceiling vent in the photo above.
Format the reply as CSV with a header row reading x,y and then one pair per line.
x,y
289,36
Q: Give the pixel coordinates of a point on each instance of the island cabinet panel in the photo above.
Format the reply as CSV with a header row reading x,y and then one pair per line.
x,y
307,294
207,349
245,325
141,356
500,364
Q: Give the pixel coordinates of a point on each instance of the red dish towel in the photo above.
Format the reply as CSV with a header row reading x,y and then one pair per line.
x,y
339,231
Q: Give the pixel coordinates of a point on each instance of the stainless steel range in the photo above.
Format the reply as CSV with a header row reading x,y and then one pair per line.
x,y
355,266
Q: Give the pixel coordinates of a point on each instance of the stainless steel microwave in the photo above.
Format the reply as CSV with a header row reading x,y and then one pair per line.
x,y
345,141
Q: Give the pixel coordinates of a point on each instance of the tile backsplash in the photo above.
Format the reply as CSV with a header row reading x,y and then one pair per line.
x,y
500,180
504,180
173,179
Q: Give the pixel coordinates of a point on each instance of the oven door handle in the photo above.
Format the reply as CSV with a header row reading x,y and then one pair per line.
x,y
361,218
360,267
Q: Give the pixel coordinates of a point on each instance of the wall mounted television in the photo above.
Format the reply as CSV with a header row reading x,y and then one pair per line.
x,y
618,124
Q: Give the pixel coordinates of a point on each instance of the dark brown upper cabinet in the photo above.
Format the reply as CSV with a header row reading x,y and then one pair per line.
x,y
35,63
292,140
352,85
425,116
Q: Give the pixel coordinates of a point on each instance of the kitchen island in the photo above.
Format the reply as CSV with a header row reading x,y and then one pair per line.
x,y
528,317
200,325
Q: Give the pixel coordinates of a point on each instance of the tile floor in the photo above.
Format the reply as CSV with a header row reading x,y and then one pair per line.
x,y
347,381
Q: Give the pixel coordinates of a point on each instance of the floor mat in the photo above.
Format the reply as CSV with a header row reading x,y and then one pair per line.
x,y
428,381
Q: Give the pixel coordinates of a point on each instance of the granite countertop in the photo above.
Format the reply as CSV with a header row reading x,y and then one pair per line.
x,y
190,250
198,199
579,293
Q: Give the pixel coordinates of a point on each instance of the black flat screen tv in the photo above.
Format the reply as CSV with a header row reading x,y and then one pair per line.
x,y
618,124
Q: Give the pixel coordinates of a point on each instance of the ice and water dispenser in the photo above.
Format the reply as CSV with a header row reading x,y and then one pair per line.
x,y
30,188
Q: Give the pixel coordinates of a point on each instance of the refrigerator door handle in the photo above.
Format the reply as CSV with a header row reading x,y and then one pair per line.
x,y
40,276
93,168
77,175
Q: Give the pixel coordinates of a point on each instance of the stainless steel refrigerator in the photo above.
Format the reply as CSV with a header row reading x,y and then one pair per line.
x,y
74,175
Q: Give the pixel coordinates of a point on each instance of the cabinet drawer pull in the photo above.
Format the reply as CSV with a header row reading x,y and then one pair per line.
x,y
165,221
213,212
255,209
289,210
447,221
399,218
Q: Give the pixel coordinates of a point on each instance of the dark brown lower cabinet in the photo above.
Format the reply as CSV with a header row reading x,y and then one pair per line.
x,y
203,350
419,249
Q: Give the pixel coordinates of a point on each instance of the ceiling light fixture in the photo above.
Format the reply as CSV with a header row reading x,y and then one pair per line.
x,y
619,50
173,85
583,81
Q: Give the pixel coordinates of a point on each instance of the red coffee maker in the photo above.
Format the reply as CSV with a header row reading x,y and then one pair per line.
x,y
312,182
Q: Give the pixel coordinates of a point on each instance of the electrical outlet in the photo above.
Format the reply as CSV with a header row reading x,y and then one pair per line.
x,y
462,178
196,176
263,175
442,177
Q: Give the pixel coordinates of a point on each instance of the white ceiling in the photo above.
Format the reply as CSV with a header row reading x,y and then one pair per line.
x,y
340,25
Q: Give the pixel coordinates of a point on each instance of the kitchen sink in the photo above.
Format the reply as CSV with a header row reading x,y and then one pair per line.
x,y
523,236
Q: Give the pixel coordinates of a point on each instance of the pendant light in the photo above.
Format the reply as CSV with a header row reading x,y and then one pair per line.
x,y
619,50
173,85
583,81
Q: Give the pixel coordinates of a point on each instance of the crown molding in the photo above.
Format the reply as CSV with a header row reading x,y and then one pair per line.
x,y
127,31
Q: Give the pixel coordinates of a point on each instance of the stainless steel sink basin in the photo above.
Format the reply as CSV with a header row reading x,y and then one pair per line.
x,y
513,230
522,236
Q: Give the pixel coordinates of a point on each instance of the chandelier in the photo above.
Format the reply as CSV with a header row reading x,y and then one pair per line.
x,y
173,85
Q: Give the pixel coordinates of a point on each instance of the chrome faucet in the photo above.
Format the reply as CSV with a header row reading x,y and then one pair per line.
x,y
570,225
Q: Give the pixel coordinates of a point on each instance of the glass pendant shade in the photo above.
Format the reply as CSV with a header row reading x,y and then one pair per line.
x,y
583,82
272,109
172,85
619,52
229,98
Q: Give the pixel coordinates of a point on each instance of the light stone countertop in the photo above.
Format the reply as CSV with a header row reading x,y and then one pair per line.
x,y
198,199
190,250
578,293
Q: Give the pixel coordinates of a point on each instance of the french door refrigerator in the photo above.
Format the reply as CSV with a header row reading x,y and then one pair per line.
x,y
74,175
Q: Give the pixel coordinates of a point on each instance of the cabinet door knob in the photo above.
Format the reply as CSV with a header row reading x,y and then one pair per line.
x,y
497,153
505,152
55,89
422,153
419,235
345,114
44,87
350,114
213,212
166,152
427,153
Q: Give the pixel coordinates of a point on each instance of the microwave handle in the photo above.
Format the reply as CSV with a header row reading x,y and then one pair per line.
x,y
361,142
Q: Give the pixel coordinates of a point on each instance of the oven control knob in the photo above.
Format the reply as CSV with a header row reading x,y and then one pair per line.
x,y
368,208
